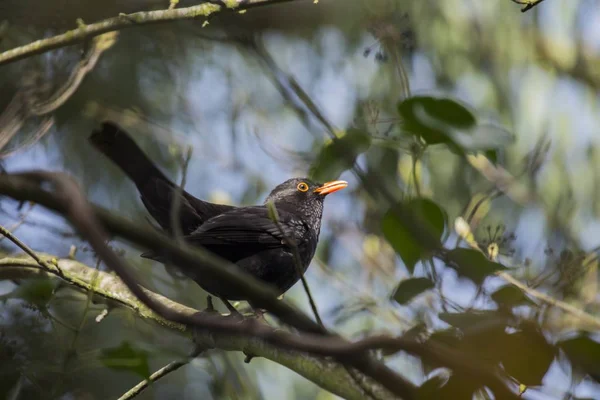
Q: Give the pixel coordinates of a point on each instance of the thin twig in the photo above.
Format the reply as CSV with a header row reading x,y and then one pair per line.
x,y
6,233
178,194
87,63
20,222
297,263
161,373
415,159
582,315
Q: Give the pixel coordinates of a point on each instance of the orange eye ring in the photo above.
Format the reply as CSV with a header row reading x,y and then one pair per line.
x,y
303,187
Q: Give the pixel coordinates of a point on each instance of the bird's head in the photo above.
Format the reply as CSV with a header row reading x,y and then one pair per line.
x,y
303,196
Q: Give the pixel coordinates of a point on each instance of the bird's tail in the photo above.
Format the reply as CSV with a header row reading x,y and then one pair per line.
x,y
156,190
117,145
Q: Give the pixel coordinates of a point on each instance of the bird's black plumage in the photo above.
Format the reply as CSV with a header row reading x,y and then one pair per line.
x,y
246,236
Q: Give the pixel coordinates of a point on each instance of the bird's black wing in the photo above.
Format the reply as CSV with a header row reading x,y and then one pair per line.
x,y
246,231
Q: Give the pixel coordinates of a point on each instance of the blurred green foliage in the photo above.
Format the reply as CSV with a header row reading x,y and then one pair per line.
x,y
484,79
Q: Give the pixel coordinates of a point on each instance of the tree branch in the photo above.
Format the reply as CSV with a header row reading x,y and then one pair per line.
x,y
83,32
327,373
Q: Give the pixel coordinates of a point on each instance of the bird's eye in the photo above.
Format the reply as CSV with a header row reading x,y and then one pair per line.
x,y
303,187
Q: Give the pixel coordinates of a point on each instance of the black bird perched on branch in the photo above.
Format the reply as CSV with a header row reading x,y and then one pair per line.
x,y
247,236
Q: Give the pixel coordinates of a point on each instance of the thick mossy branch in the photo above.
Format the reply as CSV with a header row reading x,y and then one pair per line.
x,y
324,372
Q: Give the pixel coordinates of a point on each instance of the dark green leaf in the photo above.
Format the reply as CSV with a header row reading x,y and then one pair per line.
x,y
408,289
430,214
510,296
339,155
125,357
459,387
475,336
584,354
401,235
492,155
527,356
433,119
484,341
472,264
450,338
455,387
430,389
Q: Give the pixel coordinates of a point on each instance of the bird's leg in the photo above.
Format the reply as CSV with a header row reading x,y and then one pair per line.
x,y
230,307
210,307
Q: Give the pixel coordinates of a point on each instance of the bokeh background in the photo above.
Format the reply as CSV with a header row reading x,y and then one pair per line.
x,y
531,79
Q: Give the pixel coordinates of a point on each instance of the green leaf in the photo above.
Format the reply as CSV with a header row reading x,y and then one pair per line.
x,y
433,119
400,234
125,357
408,289
479,335
459,387
431,214
339,155
584,354
483,340
527,356
450,338
492,155
510,296
397,234
455,387
430,389
472,264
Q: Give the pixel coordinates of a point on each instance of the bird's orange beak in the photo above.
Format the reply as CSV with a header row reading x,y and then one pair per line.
x,y
331,187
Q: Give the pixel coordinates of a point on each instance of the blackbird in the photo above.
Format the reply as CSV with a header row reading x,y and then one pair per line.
x,y
246,236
